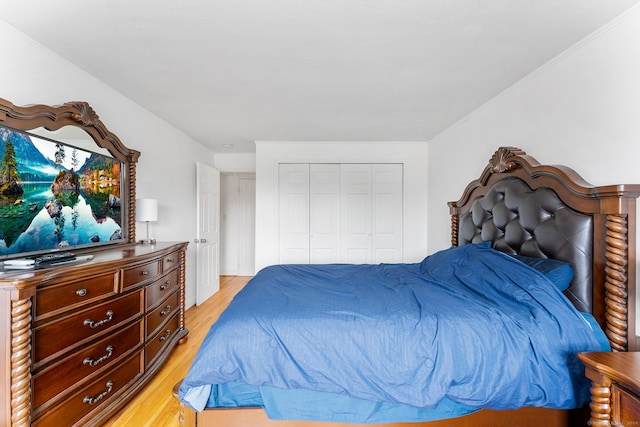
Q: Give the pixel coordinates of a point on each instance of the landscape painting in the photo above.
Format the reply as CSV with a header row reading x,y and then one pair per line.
x,y
55,196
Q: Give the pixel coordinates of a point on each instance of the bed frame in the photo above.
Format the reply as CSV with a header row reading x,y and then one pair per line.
x,y
535,210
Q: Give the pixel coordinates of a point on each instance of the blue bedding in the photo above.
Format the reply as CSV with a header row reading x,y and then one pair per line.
x,y
467,328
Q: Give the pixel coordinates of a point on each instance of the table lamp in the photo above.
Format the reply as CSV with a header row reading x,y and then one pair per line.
x,y
147,211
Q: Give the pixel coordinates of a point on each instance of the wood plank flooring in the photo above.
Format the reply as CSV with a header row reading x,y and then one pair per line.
x,y
155,405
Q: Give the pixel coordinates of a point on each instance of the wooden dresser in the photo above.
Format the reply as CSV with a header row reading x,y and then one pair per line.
x,y
79,340
615,393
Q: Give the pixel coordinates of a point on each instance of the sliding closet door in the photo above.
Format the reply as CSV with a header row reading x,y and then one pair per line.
x,y
293,213
324,213
348,213
355,206
387,223
371,213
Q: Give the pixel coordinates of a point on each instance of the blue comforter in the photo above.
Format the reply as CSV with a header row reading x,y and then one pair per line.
x,y
467,328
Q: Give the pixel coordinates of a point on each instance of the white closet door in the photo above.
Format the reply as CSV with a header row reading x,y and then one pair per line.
x,y
293,213
355,204
386,233
350,213
324,213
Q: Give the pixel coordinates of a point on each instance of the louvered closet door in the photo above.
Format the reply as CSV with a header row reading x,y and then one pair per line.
x,y
293,213
324,213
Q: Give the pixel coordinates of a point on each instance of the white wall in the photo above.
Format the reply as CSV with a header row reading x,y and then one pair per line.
x,y
32,74
235,162
581,110
270,153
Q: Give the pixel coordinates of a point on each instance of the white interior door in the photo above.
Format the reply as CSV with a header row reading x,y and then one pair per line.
x,y
247,235
229,224
208,232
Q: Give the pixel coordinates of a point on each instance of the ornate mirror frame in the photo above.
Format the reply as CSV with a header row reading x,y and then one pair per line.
x,y
81,115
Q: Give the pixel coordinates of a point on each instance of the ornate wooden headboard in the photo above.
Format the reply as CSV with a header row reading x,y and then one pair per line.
x,y
547,211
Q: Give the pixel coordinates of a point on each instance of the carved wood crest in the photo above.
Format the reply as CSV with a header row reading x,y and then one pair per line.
x,y
501,161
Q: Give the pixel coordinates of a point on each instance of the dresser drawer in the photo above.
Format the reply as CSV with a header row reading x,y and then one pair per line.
x,y
160,340
158,316
57,299
158,291
71,331
134,276
93,396
85,362
170,262
625,407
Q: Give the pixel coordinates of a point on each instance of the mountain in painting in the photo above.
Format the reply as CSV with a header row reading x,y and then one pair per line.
x,y
32,165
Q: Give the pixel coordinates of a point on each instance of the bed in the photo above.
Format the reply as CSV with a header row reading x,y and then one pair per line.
x,y
483,333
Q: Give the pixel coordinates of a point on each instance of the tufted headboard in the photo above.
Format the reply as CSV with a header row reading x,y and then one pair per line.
x,y
551,212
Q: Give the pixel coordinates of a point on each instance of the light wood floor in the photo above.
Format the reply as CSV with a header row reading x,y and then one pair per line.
x,y
155,405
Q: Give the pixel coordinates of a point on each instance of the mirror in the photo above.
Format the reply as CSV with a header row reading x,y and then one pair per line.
x,y
73,136
66,181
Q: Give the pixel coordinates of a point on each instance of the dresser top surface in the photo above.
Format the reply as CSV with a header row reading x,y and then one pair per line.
x,y
621,367
116,256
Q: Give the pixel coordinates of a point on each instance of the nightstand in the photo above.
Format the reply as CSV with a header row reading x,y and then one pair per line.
x,y
615,390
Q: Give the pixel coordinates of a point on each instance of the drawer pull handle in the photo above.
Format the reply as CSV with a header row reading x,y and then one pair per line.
x,y
90,323
89,361
169,261
93,400
166,285
81,292
166,311
145,273
166,335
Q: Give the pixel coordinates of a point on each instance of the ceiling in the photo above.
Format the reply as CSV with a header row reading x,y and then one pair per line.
x,y
237,71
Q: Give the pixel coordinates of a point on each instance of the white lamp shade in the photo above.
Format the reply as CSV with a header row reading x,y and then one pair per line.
x,y
146,210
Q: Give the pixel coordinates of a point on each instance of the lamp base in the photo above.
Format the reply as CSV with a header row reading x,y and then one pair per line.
x,y
147,241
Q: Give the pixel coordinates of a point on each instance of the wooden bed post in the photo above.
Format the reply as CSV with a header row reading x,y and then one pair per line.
x,y
618,204
616,290
455,223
